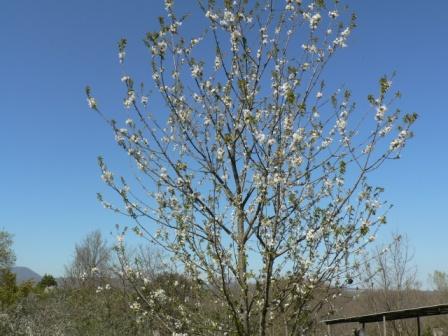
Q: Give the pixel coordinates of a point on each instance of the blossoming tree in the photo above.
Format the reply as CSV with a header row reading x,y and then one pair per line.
x,y
256,175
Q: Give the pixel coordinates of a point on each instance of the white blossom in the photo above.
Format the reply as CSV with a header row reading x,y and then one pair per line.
x,y
261,137
315,20
130,99
400,141
91,102
121,56
380,111
367,149
386,130
163,173
333,14
196,71
168,4
159,48
311,48
341,124
107,177
217,62
135,306
220,154
213,16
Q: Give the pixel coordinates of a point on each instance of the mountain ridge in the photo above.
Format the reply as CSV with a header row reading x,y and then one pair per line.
x,y
24,274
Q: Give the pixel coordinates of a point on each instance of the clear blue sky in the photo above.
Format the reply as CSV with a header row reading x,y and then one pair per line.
x,y
50,49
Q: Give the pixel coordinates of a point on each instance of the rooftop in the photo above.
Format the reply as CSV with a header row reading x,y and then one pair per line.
x,y
392,315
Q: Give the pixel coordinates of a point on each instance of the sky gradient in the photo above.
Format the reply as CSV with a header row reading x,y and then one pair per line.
x,y
50,139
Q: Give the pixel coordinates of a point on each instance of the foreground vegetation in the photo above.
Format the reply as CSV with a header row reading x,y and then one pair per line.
x,y
99,300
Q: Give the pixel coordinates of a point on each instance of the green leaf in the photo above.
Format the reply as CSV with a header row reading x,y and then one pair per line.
x,y
290,97
342,167
410,118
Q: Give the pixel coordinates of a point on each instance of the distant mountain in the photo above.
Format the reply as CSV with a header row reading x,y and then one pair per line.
x,y
24,273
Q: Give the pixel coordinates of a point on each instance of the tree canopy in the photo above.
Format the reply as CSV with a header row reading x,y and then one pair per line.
x,y
253,174
7,256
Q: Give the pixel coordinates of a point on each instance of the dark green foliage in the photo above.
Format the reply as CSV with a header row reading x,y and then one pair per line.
x,y
47,281
8,288
427,331
10,292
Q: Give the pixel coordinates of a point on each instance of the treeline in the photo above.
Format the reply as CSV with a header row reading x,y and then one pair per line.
x,y
69,306
130,293
99,294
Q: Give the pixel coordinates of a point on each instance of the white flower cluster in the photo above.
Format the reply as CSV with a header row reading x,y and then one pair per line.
x,y
135,306
400,141
130,99
311,48
212,16
159,48
160,295
121,56
168,4
315,20
228,18
386,130
196,71
91,102
380,111
107,177
341,40
264,36
100,289
333,14
120,240
234,38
